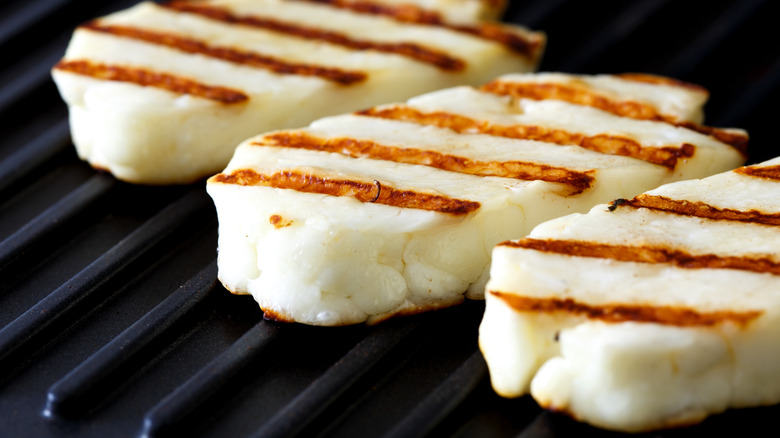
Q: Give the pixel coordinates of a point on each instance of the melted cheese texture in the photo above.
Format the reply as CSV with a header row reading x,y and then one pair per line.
x,y
396,209
652,312
134,81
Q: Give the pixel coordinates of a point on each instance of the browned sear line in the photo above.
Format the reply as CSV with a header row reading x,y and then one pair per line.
x,y
699,209
409,50
765,172
661,80
526,45
149,78
360,190
648,254
578,181
616,313
194,46
623,108
667,156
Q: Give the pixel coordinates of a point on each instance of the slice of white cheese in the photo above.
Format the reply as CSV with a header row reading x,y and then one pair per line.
x,y
162,94
395,209
648,313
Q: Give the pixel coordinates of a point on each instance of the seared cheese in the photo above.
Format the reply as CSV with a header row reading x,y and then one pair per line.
x,y
162,93
651,312
395,209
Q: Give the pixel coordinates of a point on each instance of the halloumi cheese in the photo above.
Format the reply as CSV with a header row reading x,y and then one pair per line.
x,y
651,312
395,209
162,93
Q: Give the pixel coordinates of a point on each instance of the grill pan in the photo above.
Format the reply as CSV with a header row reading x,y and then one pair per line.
x,y
113,323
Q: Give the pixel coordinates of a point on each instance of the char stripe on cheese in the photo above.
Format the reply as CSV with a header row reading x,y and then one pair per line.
x,y
577,180
660,80
615,313
368,192
667,156
409,13
623,108
194,46
697,209
414,51
765,172
647,254
150,78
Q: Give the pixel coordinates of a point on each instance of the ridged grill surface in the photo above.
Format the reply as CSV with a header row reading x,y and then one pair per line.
x,y
113,323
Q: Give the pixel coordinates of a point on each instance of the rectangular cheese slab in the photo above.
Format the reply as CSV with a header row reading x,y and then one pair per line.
x,y
651,312
162,93
395,209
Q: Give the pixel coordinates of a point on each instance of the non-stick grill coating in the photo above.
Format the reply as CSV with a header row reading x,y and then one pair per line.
x,y
113,322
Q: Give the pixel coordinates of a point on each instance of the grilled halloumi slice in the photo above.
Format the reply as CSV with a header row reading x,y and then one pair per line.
x,y
647,313
162,93
395,209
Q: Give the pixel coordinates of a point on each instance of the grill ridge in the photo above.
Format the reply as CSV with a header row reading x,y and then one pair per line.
x,y
26,329
75,393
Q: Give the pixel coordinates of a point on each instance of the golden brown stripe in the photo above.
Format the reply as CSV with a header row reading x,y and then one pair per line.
x,y
374,192
667,156
194,46
697,209
623,108
527,45
578,181
409,50
662,80
765,172
616,313
149,78
648,254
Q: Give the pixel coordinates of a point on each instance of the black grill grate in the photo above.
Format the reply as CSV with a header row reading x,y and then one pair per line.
x,y
114,325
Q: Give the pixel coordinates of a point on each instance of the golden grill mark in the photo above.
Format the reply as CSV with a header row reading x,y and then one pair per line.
x,y
661,80
648,254
765,172
616,313
527,45
360,190
667,156
623,108
578,181
697,209
194,46
409,50
149,78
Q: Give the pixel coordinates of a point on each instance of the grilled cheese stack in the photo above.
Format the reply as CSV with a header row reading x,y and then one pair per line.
x,y
162,93
651,312
395,209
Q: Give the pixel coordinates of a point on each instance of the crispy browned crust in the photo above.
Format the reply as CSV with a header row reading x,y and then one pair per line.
x,y
662,80
616,313
194,46
578,181
278,221
374,192
648,254
765,172
697,209
529,45
413,51
666,156
150,78
623,108
416,310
